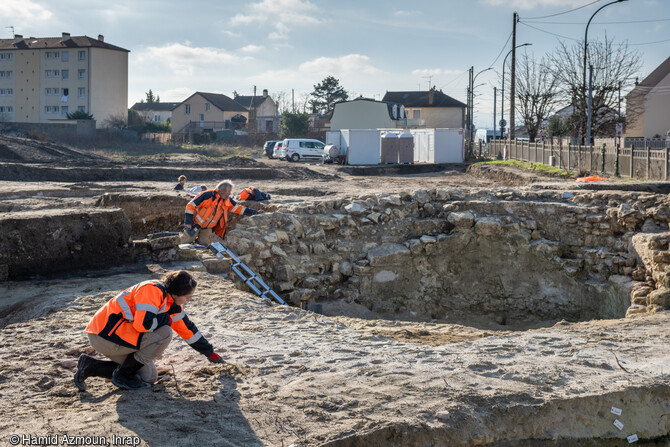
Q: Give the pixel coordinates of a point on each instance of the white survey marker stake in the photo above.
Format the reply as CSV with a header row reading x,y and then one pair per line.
x,y
618,424
616,411
632,438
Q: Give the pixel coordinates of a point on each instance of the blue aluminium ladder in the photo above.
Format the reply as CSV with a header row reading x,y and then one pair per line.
x,y
254,282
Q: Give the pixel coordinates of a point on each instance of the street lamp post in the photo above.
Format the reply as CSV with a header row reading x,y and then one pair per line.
x,y
586,34
502,101
472,105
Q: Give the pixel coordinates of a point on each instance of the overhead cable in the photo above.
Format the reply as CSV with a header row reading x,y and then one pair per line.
x,y
564,12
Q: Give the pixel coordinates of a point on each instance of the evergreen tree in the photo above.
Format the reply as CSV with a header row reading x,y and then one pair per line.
x,y
150,97
326,94
79,115
294,125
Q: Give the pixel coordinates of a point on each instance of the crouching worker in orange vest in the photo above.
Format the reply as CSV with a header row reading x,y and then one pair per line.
x,y
253,193
208,211
135,327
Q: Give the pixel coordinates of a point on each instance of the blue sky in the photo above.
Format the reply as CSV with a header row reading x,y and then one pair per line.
x,y
371,46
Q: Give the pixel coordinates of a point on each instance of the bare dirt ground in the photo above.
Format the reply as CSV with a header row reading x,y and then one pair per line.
x,y
297,378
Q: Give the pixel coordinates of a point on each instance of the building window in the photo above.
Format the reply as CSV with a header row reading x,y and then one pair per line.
x,y
416,114
81,109
82,92
82,55
6,56
6,92
65,56
157,118
53,73
188,109
82,74
6,109
6,74
65,74
206,107
63,111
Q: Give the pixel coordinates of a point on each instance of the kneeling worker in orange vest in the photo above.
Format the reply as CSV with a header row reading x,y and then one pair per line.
x,y
135,327
208,211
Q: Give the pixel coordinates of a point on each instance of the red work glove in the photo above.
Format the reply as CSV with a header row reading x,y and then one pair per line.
x,y
215,358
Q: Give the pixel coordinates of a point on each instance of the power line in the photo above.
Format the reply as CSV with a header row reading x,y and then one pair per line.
x,y
649,43
564,12
501,51
548,32
453,80
595,23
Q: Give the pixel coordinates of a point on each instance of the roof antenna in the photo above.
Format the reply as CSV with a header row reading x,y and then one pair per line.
x,y
430,78
12,28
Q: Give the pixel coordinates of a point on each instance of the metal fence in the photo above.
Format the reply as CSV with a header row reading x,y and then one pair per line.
x,y
636,162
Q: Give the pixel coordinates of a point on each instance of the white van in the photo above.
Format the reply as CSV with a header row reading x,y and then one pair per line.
x,y
296,148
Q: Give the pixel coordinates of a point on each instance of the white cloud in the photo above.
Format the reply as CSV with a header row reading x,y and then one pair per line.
x,y
401,13
351,63
23,13
230,33
281,33
185,59
283,14
252,49
532,4
434,72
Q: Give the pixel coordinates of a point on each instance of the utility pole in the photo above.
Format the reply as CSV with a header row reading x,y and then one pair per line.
x,y
495,97
293,100
512,80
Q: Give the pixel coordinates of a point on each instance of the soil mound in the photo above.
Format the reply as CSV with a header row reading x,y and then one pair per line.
x,y
16,149
510,175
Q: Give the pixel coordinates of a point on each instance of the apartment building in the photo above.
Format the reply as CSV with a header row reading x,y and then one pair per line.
x,y
44,78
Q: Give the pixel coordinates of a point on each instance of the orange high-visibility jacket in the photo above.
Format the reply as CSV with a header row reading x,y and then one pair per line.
x,y
132,313
208,210
246,193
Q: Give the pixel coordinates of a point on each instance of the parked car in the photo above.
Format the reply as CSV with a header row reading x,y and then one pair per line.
x,y
276,150
296,148
268,148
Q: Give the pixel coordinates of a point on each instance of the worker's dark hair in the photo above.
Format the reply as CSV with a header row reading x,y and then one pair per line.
x,y
179,283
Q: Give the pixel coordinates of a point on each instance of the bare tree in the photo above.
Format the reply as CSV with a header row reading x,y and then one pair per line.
x,y
536,93
614,67
302,102
118,121
283,101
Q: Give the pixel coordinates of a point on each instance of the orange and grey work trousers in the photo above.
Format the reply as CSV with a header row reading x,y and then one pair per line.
x,y
152,346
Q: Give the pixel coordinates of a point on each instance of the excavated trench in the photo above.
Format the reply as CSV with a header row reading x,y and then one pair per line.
x,y
502,259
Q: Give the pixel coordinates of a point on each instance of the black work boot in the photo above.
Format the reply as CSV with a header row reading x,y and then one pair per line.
x,y
125,376
87,366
